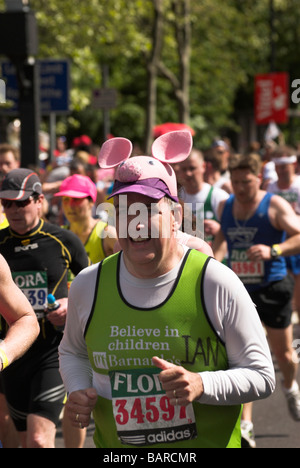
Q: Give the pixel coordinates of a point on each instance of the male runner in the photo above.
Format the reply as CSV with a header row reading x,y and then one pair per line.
x,y
254,223
159,330
288,187
195,192
39,256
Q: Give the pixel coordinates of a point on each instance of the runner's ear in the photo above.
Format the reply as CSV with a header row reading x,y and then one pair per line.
x,y
113,152
173,147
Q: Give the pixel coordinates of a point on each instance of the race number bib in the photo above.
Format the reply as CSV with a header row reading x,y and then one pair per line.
x,y
34,284
248,271
143,414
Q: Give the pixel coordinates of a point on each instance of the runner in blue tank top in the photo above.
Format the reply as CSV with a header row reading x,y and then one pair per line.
x,y
241,235
253,224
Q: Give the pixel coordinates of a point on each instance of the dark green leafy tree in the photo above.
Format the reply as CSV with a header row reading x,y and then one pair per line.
x,y
170,60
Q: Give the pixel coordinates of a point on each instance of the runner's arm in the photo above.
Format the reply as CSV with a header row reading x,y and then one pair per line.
x,y
219,244
285,219
79,258
18,314
250,375
74,361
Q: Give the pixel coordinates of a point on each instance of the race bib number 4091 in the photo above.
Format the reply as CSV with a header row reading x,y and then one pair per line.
x,y
143,414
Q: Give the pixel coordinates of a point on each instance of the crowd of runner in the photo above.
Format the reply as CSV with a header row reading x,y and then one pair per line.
x,y
56,230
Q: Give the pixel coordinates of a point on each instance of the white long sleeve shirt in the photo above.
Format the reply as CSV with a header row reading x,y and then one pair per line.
x,y
232,314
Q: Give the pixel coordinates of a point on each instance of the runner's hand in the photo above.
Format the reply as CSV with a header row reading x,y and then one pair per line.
x,y
211,227
259,252
58,317
188,386
79,406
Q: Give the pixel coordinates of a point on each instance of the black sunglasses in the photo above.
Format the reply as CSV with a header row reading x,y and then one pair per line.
x,y
19,204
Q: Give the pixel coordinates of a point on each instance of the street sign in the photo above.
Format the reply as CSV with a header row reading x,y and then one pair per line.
x,y
54,86
104,98
271,98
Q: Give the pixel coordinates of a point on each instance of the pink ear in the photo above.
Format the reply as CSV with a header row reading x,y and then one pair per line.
x,y
113,152
173,147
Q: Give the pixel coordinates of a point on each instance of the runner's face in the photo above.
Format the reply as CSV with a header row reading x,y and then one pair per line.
x,y
7,163
145,229
76,209
245,185
191,172
285,171
24,218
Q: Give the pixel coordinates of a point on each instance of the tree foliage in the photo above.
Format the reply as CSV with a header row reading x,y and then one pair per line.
x,y
229,44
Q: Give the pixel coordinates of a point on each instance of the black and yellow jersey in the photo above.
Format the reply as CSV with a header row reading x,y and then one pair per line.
x,y
40,260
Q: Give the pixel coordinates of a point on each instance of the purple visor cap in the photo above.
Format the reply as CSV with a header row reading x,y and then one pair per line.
x,y
153,188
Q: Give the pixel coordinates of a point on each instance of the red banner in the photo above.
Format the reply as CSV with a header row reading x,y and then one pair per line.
x,y
271,98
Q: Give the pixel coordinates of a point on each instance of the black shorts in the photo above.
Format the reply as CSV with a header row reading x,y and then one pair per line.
x,y
274,303
34,386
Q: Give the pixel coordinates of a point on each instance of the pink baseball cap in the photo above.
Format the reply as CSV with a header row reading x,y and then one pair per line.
x,y
150,176
78,186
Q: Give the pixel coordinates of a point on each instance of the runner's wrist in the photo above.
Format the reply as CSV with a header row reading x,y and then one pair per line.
x,y
276,251
3,360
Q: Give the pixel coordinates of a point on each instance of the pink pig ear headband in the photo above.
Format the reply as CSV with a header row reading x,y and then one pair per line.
x,y
146,175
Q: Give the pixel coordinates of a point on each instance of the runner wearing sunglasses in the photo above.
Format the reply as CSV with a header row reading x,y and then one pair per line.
x,y
39,255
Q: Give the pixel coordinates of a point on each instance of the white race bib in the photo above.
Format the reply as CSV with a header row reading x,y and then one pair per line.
x,y
143,413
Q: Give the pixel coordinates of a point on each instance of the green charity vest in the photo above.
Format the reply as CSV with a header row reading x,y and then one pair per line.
x,y
121,341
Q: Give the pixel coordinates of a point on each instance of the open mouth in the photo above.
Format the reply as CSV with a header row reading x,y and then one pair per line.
x,y
139,240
